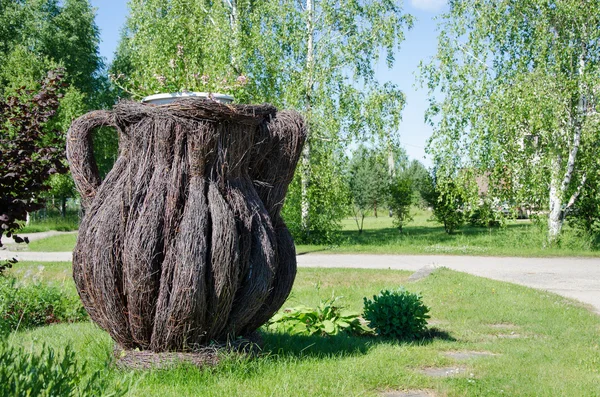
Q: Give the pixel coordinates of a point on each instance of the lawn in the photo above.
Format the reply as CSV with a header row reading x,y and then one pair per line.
x,y
422,236
543,344
52,221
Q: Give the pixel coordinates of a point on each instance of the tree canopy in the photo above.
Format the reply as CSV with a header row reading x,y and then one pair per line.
x,y
316,56
513,96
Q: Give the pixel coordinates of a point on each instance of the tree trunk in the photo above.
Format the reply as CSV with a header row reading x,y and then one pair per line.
x,y
391,170
63,207
555,219
305,180
558,188
310,66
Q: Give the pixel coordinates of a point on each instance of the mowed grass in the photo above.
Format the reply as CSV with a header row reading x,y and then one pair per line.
x,y
544,345
60,243
53,221
423,236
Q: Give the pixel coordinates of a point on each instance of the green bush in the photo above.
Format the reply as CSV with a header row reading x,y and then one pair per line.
x,y
400,200
328,318
48,374
36,304
487,215
397,314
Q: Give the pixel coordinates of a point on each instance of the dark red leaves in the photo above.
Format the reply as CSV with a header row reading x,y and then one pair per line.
x,y
29,151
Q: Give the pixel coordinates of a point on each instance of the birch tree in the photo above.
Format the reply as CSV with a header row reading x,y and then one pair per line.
x,y
316,56
514,96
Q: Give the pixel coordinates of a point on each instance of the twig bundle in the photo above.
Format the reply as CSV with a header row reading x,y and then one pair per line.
x,y
183,242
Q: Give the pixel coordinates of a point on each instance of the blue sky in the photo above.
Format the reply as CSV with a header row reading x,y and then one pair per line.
x,y
420,44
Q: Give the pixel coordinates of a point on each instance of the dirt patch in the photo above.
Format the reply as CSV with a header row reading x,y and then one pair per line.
x,y
409,393
205,356
422,273
512,335
503,326
443,372
467,355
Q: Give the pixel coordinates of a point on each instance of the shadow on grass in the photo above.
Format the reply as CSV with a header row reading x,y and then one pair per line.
x,y
301,346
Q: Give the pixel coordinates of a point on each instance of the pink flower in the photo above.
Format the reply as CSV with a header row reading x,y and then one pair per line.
x,y
242,80
204,79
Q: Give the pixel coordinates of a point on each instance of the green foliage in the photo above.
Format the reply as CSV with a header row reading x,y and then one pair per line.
x,y
449,208
33,304
47,374
328,197
419,176
37,35
513,95
447,203
315,56
368,182
585,214
41,35
401,199
397,314
328,318
486,214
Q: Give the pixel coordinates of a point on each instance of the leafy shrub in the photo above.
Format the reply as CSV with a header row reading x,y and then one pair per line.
x,y
36,304
397,314
30,150
487,215
49,374
327,318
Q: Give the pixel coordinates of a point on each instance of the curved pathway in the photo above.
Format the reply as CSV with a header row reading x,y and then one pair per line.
x,y
577,278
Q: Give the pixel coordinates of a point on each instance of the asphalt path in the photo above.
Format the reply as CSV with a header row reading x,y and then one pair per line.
x,y
577,278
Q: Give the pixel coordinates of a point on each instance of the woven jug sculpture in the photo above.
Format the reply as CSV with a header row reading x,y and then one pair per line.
x,y
183,242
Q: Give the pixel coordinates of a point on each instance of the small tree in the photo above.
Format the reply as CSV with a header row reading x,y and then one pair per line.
x,y
62,188
368,183
29,152
447,203
400,199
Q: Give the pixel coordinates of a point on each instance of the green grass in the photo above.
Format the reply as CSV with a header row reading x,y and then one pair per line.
x,y
556,352
423,236
52,221
53,272
60,243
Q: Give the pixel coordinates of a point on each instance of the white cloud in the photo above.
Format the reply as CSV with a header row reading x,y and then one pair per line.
x,y
428,5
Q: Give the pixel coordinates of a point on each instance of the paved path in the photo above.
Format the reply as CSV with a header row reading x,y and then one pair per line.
x,y
577,278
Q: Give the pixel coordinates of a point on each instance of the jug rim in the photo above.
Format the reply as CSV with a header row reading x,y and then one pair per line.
x,y
165,98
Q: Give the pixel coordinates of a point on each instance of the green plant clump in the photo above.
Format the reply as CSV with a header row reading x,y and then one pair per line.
x,y
48,374
36,304
397,314
328,318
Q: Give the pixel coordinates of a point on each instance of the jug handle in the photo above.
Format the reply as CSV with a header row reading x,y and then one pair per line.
x,y
80,153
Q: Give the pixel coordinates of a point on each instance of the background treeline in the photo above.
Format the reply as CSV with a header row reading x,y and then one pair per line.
x,y
351,164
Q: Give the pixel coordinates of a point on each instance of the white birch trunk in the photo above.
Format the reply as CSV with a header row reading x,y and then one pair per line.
x,y
555,215
310,62
558,189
